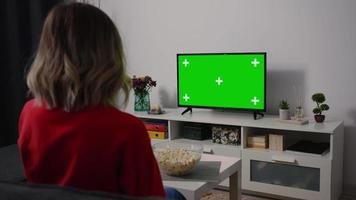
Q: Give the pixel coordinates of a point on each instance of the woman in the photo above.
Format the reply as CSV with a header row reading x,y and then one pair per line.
x,y
71,134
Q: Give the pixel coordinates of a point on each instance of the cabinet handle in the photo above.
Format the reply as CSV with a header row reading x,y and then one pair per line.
x,y
207,150
284,159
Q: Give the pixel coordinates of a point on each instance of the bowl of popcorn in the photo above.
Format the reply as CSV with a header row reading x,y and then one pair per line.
x,y
177,159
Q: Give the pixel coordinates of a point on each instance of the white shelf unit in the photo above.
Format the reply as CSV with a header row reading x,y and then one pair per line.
x,y
262,168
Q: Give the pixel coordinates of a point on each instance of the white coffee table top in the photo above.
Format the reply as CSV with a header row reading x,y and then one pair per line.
x,y
229,166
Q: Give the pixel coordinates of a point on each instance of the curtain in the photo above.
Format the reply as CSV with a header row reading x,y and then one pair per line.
x,y
20,26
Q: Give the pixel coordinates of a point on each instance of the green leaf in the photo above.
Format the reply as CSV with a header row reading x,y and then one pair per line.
x,y
318,97
324,107
317,111
284,105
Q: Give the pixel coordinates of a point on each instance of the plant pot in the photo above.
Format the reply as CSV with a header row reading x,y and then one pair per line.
x,y
283,114
319,118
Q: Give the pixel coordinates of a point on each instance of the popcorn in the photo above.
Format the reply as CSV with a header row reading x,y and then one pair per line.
x,y
177,161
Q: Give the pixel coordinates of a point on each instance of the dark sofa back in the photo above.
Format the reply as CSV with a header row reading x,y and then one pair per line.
x,y
25,191
10,164
14,187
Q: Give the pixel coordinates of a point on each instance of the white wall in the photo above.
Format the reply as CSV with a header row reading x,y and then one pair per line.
x,y
310,43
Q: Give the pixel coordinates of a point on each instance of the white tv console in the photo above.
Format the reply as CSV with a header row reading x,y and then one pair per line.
x,y
280,174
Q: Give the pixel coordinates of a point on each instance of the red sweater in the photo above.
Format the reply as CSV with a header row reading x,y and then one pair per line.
x,y
99,148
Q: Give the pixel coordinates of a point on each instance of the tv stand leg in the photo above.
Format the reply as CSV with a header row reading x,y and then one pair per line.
x,y
186,110
256,114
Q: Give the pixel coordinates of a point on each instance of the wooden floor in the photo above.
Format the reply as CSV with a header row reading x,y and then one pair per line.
x,y
224,195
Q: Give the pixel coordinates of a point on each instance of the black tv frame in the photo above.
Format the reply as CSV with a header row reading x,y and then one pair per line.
x,y
227,108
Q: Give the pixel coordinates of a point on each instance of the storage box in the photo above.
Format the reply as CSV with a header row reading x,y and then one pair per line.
x,y
157,134
157,129
196,131
276,142
226,135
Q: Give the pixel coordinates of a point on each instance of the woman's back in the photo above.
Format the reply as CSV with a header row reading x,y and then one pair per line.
x,y
98,148
71,134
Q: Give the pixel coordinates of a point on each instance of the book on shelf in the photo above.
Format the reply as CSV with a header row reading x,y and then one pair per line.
x,y
257,141
276,142
257,145
257,138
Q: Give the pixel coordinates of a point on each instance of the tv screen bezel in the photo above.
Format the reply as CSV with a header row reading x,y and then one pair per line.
x,y
228,108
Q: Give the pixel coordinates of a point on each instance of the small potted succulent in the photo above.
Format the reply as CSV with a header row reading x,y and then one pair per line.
x,y
283,110
319,98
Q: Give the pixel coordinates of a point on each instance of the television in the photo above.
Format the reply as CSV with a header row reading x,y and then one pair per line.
x,y
222,80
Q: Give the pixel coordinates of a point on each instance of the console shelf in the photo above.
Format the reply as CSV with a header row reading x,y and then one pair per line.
x,y
239,119
205,142
279,174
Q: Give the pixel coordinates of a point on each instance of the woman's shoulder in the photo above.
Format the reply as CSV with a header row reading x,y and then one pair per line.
x,y
29,105
27,110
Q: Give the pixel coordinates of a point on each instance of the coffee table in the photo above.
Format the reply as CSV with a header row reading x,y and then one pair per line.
x,y
230,168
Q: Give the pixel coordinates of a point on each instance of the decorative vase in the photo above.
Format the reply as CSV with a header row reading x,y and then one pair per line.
x,y
283,114
319,118
299,113
142,101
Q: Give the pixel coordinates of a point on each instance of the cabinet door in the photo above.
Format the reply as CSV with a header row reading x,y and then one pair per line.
x,y
287,175
296,176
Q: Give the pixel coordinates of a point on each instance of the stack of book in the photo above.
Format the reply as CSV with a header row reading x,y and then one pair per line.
x,y
275,142
257,141
156,129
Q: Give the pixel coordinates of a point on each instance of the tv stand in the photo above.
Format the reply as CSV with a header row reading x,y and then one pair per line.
x,y
256,114
187,110
263,167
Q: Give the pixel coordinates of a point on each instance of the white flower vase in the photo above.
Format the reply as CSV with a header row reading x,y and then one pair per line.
x,y
283,114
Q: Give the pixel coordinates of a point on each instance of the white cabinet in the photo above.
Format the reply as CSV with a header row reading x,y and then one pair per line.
x,y
277,173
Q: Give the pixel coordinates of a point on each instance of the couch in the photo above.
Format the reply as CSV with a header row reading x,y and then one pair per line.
x,y
13,185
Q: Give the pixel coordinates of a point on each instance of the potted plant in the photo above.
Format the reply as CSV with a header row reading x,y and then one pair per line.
x,y
319,98
142,86
283,110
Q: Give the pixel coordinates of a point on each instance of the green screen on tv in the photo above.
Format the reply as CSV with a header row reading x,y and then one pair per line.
x,y
233,80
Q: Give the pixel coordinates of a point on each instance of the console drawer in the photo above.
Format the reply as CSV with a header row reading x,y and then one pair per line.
x,y
285,174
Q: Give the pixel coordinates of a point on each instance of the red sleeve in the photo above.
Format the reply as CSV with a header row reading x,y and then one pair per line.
x,y
22,122
139,173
